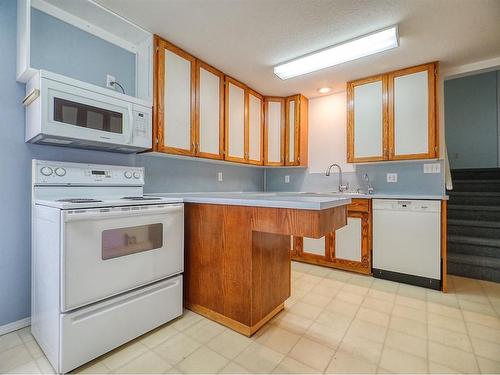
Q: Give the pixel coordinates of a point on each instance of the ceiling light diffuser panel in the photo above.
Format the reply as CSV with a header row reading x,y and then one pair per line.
x,y
366,45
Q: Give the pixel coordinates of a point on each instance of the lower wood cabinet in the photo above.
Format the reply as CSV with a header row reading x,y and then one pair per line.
x,y
349,248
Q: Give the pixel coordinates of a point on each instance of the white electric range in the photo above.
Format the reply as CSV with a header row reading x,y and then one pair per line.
x,y
107,262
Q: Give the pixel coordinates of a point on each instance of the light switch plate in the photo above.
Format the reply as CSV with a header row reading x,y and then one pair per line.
x,y
432,168
287,179
219,176
392,177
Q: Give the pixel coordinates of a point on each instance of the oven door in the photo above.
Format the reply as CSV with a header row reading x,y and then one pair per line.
x,y
109,251
72,112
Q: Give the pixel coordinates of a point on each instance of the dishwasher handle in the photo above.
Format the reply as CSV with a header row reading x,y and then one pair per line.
x,y
407,205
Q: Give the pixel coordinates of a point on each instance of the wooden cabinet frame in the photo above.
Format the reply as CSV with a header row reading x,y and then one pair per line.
x,y
249,92
433,132
159,127
246,141
388,135
300,128
267,100
201,65
351,158
359,208
229,80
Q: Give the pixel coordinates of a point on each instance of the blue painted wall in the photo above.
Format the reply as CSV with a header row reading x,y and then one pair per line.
x,y
167,175
471,121
411,179
62,48
15,172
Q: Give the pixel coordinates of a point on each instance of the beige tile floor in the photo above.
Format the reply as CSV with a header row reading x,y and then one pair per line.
x,y
335,322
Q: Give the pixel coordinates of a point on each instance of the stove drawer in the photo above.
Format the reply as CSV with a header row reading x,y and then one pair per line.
x,y
106,252
92,331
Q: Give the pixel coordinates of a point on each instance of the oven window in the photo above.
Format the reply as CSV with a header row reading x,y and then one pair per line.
x,y
125,241
87,116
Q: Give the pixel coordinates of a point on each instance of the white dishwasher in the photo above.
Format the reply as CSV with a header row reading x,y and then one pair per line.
x,y
407,241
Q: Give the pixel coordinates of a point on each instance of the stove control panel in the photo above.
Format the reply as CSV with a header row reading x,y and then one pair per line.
x,y
48,172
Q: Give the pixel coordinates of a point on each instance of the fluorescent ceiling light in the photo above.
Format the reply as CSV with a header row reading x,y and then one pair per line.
x,y
366,45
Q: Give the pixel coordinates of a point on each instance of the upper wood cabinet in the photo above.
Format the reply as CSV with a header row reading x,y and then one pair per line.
x,y
174,100
244,123
235,120
199,111
209,131
255,128
274,131
367,120
412,113
393,116
296,128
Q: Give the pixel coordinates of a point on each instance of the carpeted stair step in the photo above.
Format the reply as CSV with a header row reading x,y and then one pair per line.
x,y
490,185
467,212
474,228
476,174
475,246
476,198
477,267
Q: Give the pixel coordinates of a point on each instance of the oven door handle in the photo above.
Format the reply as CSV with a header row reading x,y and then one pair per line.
x,y
103,213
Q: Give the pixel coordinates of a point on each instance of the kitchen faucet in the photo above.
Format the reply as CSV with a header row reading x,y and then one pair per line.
x,y
370,188
342,187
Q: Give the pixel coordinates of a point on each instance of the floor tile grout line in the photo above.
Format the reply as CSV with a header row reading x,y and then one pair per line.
x,y
345,333
387,330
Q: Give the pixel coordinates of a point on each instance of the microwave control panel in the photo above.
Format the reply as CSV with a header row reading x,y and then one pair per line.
x,y
141,123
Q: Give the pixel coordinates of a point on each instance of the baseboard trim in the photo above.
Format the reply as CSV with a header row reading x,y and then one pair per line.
x,y
14,326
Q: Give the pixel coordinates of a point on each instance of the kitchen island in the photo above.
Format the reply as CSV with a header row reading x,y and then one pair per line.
x,y
237,251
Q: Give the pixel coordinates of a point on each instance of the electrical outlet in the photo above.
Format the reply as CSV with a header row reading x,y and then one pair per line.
x,y
110,80
392,177
432,168
287,179
219,176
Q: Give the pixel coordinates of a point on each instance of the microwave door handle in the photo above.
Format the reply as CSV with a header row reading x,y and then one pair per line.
x,y
102,214
131,128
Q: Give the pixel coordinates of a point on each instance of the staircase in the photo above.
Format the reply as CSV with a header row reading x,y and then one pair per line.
x,y
474,224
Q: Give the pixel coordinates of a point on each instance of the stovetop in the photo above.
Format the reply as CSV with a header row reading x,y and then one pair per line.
x,y
83,203
79,200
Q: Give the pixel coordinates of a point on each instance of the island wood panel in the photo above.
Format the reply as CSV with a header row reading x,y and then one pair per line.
x,y
237,259
270,265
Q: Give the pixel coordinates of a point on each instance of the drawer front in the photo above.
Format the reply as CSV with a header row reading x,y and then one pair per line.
x,y
90,332
359,205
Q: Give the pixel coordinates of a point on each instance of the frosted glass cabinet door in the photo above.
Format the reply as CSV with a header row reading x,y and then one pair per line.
x,y
348,240
255,128
210,112
291,131
366,120
274,134
178,91
412,113
235,121
315,246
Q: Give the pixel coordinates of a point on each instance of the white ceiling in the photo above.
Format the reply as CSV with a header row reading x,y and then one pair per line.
x,y
246,38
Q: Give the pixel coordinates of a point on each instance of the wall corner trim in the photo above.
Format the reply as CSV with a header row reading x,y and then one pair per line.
x,y
14,326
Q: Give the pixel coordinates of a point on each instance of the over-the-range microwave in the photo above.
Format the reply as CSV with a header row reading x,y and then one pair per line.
x,y
66,112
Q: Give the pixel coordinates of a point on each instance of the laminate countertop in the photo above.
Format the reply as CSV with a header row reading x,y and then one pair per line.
x,y
297,200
